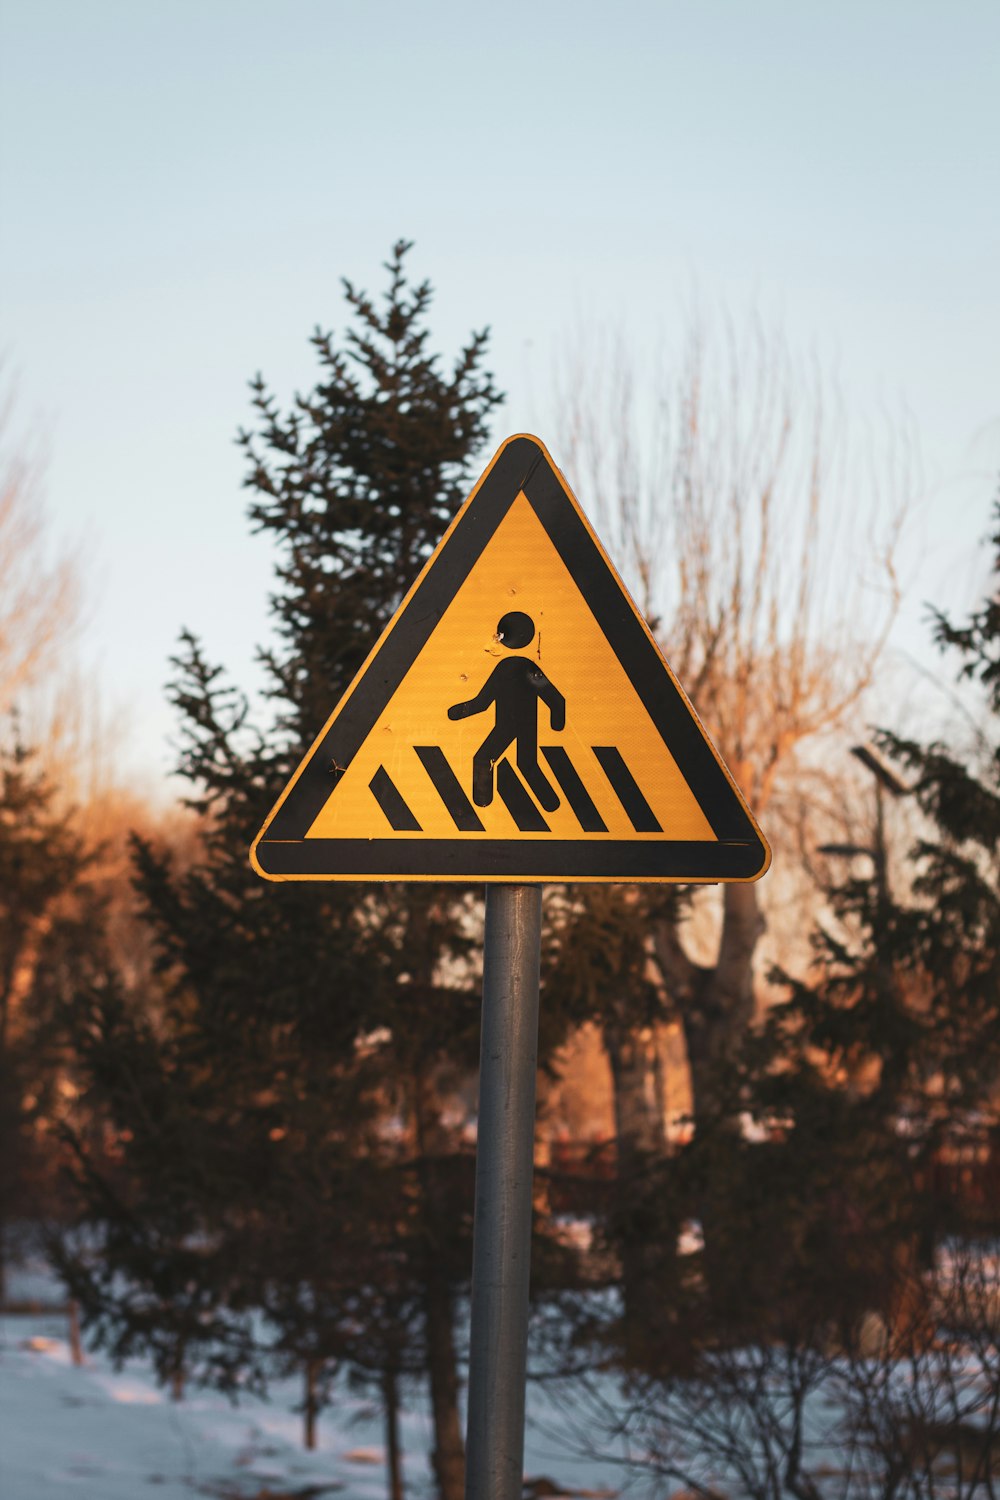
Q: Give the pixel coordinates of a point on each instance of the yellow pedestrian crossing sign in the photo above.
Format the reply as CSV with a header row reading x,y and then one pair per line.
x,y
516,722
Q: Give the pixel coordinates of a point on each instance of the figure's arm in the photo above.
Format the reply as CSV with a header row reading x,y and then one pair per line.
x,y
551,695
475,705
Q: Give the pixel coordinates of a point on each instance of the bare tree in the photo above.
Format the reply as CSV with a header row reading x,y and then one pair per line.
x,y
893,1408
762,546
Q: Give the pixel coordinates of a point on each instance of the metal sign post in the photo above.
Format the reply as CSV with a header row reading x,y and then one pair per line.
x,y
501,1255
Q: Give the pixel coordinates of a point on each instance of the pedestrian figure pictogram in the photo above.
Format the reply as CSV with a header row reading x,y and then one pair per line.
x,y
517,686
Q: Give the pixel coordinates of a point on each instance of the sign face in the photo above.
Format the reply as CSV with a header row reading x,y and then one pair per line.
x,y
516,722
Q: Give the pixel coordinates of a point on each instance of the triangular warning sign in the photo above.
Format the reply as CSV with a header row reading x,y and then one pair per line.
x,y
515,722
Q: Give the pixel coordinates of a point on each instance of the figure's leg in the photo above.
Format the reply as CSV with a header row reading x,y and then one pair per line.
x,y
527,764
483,762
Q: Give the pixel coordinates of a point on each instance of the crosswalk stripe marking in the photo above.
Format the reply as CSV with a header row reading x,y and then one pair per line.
x,y
577,795
516,798
390,799
520,806
638,810
449,789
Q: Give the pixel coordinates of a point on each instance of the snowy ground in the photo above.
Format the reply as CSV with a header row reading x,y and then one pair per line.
x,y
93,1433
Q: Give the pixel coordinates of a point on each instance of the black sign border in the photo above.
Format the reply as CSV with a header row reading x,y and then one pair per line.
x,y
738,851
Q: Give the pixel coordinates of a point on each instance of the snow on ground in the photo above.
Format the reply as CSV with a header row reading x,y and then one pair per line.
x,y
97,1434
94,1433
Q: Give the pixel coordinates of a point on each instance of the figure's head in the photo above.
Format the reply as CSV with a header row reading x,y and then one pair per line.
x,y
515,630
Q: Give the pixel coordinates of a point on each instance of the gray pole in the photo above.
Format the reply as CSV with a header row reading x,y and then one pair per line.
x,y
501,1254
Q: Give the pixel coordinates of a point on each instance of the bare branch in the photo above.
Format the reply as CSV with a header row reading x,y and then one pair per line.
x,y
39,593
756,537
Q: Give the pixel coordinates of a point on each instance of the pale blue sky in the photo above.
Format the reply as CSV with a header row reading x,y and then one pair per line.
x,y
182,183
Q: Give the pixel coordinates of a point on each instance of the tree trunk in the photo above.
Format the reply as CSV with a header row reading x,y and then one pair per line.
x,y
448,1454
640,1142
715,1004
311,1405
394,1456
9,1143
716,1008
638,1124
75,1345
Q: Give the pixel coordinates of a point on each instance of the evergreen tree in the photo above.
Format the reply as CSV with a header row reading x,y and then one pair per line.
x,y
158,1270
891,1057
885,1059
356,484
298,1020
50,934
841,1323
